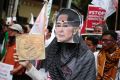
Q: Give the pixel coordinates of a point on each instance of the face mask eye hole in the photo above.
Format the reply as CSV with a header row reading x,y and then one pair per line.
x,y
58,25
65,25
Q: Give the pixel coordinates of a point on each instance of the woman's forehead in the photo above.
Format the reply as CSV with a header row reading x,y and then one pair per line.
x,y
62,17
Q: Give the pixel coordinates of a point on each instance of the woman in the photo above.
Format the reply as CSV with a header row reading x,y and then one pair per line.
x,y
65,61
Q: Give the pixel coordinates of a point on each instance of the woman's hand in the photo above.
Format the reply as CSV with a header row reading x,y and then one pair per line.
x,y
24,63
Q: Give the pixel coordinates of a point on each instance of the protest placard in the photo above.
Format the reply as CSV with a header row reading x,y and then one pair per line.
x,y
30,47
5,71
95,17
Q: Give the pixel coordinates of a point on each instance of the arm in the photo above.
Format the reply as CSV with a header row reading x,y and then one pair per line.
x,y
31,70
35,74
88,70
16,70
91,71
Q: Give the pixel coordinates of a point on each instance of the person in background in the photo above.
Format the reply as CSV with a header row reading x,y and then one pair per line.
x,y
92,43
48,32
18,71
118,42
3,38
100,28
118,38
108,57
27,27
65,61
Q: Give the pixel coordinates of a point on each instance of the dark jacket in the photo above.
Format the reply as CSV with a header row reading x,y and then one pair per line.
x,y
70,61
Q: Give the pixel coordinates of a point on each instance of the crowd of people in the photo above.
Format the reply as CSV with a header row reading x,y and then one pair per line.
x,y
68,56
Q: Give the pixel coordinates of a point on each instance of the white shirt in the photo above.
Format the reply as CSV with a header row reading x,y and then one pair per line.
x,y
96,54
37,75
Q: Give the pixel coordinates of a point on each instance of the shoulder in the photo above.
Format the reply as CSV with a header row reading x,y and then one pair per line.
x,y
87,56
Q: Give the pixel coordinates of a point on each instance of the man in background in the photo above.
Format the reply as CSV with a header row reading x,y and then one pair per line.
x,y
108,57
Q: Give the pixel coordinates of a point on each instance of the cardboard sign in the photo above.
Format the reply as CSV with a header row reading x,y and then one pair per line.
x,y
30,47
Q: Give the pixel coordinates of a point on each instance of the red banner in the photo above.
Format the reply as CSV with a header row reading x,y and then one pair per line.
x,y
95,16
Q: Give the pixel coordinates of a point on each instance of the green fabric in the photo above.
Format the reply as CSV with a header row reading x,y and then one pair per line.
x,y
3,51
